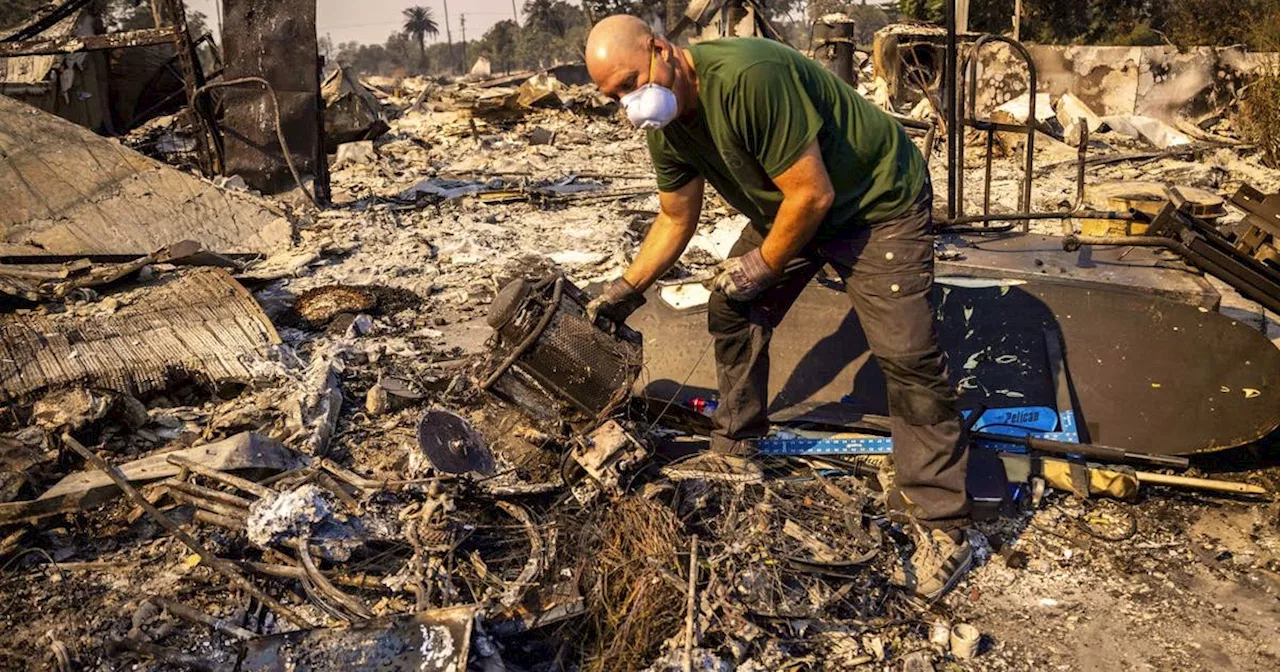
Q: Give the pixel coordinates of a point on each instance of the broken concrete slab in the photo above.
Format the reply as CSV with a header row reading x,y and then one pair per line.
x,y
1148,129
1070,110
1018,110
540,90
354,153
194,323
482,69
69,191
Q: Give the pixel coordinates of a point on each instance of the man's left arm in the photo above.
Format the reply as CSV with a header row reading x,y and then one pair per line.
x,y
807,196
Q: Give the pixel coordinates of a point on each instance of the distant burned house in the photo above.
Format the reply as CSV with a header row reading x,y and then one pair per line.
x,y
109,90
72,86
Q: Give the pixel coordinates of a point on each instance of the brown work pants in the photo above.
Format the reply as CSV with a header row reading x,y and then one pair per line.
x,y
887,268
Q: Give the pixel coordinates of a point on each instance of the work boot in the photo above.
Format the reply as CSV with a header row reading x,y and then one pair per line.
x,y
936,565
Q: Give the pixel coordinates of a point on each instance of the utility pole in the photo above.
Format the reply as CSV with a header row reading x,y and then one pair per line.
x,y
462,19
448,35
1017,20
515,16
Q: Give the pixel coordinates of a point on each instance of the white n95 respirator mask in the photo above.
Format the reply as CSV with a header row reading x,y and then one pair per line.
x,y
651,106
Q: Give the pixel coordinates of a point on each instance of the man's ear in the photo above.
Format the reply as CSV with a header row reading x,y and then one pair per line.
x,y
665,52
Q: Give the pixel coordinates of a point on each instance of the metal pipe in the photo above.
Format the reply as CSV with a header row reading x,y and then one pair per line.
x,y
209,505
1081,159
220,476
1075,242
280,137
1007,216
954,172
929,141
986,177
209,494
1200,483
192,615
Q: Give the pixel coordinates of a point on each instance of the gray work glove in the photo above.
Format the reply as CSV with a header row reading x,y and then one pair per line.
x,y
744,278
616,303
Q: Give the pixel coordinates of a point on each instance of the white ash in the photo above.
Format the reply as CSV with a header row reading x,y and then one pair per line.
x,y
289,515
305,515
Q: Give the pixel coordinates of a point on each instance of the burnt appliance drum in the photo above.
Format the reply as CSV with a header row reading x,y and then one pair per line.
x,y
551,361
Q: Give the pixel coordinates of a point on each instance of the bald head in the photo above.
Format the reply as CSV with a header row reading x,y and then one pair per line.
x,y
623,54
617,43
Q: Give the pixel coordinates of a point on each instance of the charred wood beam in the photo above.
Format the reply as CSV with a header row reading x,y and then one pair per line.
x,y
45,22
71,44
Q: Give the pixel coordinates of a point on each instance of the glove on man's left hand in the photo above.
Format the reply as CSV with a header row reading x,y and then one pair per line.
x,y
744,278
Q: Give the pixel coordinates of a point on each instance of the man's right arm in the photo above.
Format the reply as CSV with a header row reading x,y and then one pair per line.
x,y
671,232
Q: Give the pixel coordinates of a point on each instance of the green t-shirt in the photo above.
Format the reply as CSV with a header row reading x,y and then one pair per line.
x,y
760,105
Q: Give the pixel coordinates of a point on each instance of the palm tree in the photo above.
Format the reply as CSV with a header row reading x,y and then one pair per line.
x,y
419,23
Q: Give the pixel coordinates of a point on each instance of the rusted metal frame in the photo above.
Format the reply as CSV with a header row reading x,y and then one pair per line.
x,y
71,44
1073,243
169,65
986,180
323,188
208,144
1265,208
1013,216
930,139
991,126
971,79
280,135
177,34
1212,252
157,15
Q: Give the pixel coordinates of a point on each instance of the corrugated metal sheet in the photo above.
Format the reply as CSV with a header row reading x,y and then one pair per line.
x,y
196,323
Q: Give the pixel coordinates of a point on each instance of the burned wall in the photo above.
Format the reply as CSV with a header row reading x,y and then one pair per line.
x,y
276,41
1160,82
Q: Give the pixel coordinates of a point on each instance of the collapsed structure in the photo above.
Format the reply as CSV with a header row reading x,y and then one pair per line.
x,y
363,421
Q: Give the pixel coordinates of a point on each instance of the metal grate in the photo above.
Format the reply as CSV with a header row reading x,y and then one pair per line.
x,y
581,364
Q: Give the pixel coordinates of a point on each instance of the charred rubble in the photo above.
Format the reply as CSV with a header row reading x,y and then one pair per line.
x,y
300,377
